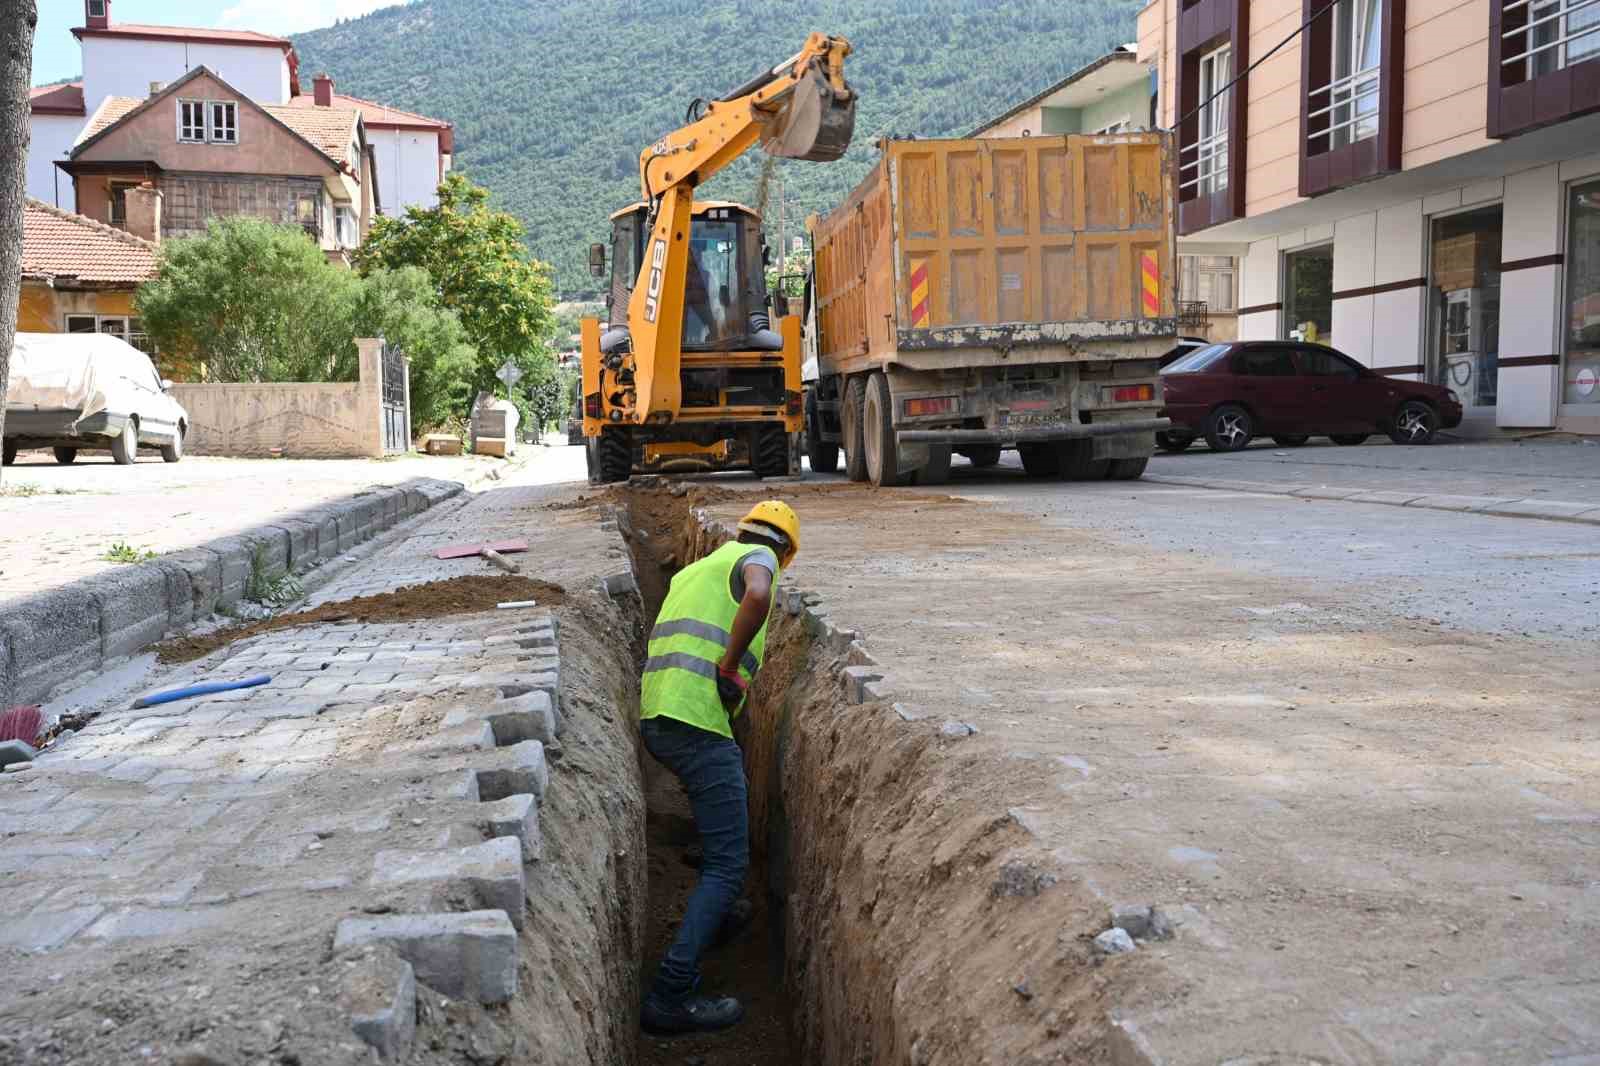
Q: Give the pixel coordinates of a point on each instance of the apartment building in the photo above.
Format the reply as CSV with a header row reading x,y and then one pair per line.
x,y
1416,182
1116,94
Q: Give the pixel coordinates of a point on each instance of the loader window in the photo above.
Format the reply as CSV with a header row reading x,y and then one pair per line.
x,y
712,313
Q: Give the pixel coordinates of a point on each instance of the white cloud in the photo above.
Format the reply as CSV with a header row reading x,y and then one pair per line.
x,y
294,16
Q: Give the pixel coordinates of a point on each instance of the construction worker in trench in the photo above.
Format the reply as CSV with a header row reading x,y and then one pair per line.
x,y
707,645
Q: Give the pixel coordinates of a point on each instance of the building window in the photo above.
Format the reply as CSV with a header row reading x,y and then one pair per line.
x,y
191,121
305,213
1550,35
1581,376
117,194
344,221
1205,162
97,9
82,324
120,326
1122,125
224,122
1207,279
1308,294
1349,111
1464,304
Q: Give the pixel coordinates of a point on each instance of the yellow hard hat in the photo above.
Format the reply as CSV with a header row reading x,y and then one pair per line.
x,y
769,515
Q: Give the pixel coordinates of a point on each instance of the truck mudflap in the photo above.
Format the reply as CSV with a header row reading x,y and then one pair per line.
x,y
1011,436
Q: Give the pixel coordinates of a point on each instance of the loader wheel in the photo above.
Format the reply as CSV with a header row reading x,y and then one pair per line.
x,y
1040,460
1078,462
937,472
1127,469
614,456
770,452
823,454
850,421
877,430
983,455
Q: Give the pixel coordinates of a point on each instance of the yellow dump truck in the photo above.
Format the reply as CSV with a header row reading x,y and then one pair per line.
x,y
971,296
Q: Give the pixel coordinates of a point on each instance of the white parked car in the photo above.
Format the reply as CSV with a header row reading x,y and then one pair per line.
x,y
70,391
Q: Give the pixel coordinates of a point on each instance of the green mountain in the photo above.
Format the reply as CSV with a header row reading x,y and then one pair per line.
x,y
553,99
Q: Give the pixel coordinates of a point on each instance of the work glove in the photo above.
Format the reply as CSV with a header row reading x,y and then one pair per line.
x,y
731,687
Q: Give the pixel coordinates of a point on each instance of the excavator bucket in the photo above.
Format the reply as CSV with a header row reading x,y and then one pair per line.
x,y
814,122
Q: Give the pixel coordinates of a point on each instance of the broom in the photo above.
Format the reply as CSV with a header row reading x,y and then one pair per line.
x,y
21,723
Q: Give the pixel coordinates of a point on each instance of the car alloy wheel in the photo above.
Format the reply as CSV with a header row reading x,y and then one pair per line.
x,y
1230,428
1414,423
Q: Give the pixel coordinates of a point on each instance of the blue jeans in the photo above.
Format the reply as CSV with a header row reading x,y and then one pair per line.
x,y
711,770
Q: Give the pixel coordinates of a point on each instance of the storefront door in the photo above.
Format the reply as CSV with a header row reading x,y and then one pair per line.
x,y
1464,305
1580,377
1308,295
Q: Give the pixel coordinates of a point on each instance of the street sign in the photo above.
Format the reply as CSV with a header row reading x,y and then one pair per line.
x,y
509,373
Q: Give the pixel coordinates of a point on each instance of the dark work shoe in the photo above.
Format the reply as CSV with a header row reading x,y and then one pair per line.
x,y
736,921
691,1014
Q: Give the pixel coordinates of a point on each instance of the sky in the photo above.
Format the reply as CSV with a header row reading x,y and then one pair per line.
x,y
55,50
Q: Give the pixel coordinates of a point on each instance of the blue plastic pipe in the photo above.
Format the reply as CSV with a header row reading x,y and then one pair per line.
x,y
174,694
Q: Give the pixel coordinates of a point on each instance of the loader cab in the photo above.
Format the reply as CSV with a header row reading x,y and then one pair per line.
x,y
725,298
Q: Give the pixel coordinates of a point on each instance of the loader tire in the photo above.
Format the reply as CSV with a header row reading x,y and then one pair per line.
x,y
877,427
850,422
614,456
770,452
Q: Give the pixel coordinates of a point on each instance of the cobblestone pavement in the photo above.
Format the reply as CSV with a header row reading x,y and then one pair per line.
x,y
63,532
188,864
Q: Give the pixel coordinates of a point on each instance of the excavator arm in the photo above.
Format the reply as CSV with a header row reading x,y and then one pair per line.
x,y
800,109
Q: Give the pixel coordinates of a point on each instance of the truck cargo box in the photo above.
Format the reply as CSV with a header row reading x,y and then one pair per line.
x,y
1058,243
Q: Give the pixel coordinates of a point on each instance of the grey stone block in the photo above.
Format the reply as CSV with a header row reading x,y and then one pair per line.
x,y
303,537
14,751
180,593
855,679
379,992
235,555
133,608
492,870
530,716
273,545
394,505
327,534
471,955
1114,942
470,735
522,768
203,569
1131,918
876,690
516,817
957,730
618,585
793,601
54,636
856,655
43,930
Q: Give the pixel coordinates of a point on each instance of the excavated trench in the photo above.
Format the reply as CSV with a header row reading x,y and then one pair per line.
x,y
903,914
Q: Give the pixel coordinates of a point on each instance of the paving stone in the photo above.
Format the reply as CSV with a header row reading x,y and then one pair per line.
x,y
16,751
855,678
521,768
137,923
47,823
379,992
41,930
516,817
472,955
530,716
1131,918
492,869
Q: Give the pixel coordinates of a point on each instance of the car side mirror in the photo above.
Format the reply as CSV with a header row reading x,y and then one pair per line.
x,y
597,260
166,384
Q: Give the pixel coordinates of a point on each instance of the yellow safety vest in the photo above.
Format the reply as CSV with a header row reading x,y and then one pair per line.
x,y
689,639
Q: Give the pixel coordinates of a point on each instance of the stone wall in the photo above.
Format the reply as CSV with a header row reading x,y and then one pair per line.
x,y
309,420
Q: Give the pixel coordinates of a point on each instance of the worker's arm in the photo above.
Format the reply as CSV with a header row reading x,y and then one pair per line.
x,y
753,610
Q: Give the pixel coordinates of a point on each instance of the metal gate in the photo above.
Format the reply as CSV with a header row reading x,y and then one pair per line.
x,y
396,412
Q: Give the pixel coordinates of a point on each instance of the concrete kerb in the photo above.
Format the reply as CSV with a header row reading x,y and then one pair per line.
x,y
1500,507
471,955
58,635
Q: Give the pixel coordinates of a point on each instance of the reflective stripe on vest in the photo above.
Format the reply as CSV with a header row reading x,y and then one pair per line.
x,y
690,637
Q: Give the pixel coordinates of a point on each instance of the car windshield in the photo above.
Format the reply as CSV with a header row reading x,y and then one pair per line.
x,y
711,299
1197,361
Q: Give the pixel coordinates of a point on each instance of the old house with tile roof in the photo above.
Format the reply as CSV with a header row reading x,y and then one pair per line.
x,y
79,275
209,151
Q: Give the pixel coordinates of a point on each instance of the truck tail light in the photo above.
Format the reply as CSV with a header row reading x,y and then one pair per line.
x,y
793,403
591,405
1132,393
930,405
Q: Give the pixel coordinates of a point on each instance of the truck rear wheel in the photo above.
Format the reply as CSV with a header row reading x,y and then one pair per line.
x,y
1127,469
937,472
877,431
850,421
614,456
982,455
1078,462
64,456
1040,460
770,452
822,454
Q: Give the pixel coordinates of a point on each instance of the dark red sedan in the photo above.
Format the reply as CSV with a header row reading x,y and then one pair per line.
x,y
1293,391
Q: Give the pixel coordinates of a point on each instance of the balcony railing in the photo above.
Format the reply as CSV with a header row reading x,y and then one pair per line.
x,y
1346,112
1210,163
1557,36
1194,314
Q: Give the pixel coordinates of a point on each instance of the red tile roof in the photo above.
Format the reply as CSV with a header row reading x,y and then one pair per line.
x,y
59,244
374,114
183,33
331,129
112,110
57,99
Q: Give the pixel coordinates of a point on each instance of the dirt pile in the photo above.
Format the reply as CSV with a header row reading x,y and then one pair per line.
x,y
468,594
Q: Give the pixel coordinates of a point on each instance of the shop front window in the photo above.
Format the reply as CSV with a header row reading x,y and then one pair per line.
x,y
1308,295
1581,373
1464,305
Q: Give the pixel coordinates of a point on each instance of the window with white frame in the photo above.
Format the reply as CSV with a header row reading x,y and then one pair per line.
x,y
1206,162
344,221
1122,125
1347,109
97,9
1208,279
192,121
224,127
1554,34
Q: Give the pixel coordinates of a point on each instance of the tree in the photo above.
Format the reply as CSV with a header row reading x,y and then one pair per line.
x,y
18,18
481,271
400,306
252,301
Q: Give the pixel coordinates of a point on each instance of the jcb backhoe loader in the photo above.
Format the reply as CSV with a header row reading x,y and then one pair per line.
x,y
688,372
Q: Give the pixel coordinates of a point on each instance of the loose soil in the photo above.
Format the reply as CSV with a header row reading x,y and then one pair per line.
x,y
468,594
